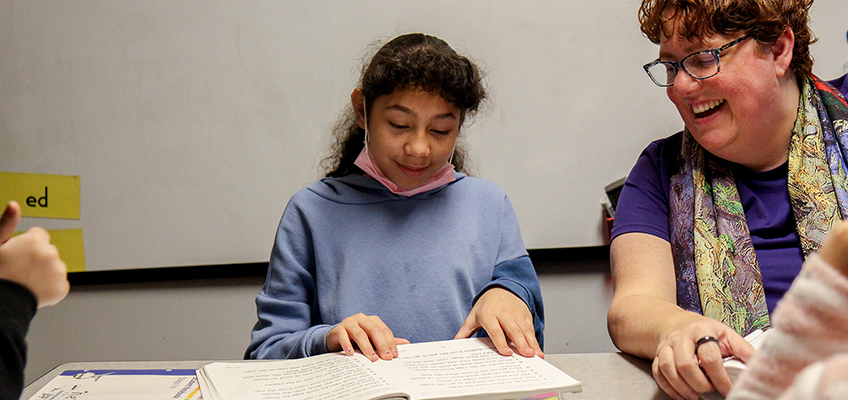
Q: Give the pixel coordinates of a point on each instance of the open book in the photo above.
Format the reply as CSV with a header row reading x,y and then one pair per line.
x,y
734,366
452,369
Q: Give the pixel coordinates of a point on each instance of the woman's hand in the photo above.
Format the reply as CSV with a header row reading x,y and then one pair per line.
x,y
504,316
374,339
684,369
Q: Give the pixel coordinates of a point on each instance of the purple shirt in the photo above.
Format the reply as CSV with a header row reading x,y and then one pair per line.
x,y
841,84
644,201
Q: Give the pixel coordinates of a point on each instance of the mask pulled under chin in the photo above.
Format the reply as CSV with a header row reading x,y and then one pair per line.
x,y
440,178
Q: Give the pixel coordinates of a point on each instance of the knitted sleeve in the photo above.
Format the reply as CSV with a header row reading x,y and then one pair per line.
x,y
811,335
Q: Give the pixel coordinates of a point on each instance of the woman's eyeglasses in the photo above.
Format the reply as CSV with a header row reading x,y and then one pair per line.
x,y
701,65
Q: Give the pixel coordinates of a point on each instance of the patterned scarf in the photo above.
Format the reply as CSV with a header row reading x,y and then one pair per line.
x,y
715,263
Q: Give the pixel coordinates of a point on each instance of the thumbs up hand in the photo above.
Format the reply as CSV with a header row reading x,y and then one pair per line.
x,y
30,260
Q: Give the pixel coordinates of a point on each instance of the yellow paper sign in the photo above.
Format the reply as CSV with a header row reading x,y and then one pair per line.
x,y
71,249
70,246
41,195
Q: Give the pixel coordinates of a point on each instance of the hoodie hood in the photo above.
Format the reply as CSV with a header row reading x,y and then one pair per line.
x,y
359,189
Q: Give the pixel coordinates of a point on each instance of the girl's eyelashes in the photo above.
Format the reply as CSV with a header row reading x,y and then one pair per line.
x,y
397,126
401,126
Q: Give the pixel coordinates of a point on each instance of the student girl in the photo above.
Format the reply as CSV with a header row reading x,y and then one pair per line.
x,y
396,244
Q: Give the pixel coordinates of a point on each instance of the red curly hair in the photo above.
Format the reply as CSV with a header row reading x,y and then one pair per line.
x,y
764,20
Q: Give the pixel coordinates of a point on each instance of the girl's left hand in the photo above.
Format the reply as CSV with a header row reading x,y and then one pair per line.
x,y
504,316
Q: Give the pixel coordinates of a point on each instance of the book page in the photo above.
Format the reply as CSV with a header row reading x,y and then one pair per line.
x,y
327,376
734,365
463,368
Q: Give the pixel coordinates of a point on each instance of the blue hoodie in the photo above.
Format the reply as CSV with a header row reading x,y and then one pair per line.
x,y
349,245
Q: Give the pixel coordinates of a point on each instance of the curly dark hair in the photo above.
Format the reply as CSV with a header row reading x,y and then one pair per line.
x,y
412,60
764,20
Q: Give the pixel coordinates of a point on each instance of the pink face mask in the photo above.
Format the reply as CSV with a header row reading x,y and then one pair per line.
x,y
442,177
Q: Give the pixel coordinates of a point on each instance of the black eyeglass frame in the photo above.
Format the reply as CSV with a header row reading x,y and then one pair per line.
x,y
678,65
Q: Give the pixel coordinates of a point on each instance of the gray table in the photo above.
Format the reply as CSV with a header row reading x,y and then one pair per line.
x,y
603,375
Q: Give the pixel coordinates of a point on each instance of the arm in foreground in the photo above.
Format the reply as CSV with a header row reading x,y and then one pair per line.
x,y
807,354
31,276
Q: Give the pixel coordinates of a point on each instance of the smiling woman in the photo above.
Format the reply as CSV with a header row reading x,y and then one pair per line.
x,y
394,245
714,222
745,112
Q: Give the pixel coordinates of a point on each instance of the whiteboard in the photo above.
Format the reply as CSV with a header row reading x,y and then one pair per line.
x,y
191,123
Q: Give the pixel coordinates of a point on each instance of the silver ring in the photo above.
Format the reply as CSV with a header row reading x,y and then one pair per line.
x,y
703,340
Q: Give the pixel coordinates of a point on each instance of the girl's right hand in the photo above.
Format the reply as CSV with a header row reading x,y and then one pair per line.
x,y
374,339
